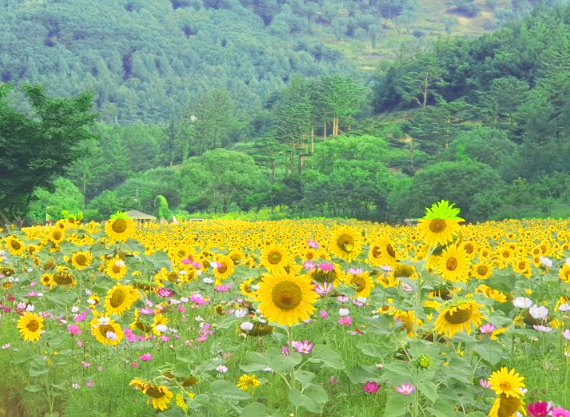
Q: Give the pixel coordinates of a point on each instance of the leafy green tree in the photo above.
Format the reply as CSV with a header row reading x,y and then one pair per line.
x,y
348,176
46,204
459,182
35,149
219,179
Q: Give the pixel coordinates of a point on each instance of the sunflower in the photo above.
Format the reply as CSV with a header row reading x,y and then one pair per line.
x,y
64,277
248,381
345,243
360,280
407,318
81,260
522,267
246,288
140,325
30,326
275,258
382,252
225,267
564,273
491,293
15,246
454,265
440,224
56,236
159,319
120,298
481,270
327,275
161,396
508,383
457,316
33,249
507,407
106,331
47,280
116,268
120,229
286,298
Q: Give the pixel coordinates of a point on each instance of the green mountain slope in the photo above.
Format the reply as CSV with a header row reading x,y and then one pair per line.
x,y
149,59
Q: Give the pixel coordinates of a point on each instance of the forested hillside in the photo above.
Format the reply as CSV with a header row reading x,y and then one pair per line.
x,y
236,105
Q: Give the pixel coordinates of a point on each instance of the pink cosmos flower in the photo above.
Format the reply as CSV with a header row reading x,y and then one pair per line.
x,y
285,351
198,299
313,244
333,380
80,317
164,338
559,412
303,347
487,328
538,409
79,343
566,334
90,384
222,288
323,314
134,365
326,266
406,389
345,321
73,329
354,271
309,265
85,364
371,387
145,357
323,289
484,383
165,292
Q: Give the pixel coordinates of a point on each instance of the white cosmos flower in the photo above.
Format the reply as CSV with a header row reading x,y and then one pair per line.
x,y
538,312
522,302
246,326
161,328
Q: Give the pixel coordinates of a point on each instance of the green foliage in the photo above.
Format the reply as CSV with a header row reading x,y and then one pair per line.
x,y
39,145
51,205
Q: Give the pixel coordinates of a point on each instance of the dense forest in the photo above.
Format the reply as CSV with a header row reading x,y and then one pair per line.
x,y
226,106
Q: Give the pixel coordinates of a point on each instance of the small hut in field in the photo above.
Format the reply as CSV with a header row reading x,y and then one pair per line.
x,y
140,218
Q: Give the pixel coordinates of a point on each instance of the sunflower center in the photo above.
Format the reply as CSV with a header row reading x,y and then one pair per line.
x,y
359,283
119,225
522,265
451,264
459,316
505,386
437,225
104,328
118,298
310,255
116,269
57,235
143,327
469,248
323,276
481,269
81,259
345,242
506,254
508,406
15,244
33,325
390,250
154,392
287,295
172,277
275,257
376,253
222,268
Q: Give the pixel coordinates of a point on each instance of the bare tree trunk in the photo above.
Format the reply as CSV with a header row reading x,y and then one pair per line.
x,y
426,83
312,141
325,129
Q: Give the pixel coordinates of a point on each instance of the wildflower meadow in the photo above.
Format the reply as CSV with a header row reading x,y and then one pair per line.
x,y
286,318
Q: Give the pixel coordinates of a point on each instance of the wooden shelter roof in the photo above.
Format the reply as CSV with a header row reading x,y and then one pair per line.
x,y
137,215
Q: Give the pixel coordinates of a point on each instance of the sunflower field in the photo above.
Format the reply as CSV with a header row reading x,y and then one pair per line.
x,y
286,318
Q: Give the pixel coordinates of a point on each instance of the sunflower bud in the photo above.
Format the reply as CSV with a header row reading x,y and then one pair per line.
x,y
424,361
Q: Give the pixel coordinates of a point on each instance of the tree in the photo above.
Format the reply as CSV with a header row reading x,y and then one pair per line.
x,y
348,176
219,179
66,196
35,149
